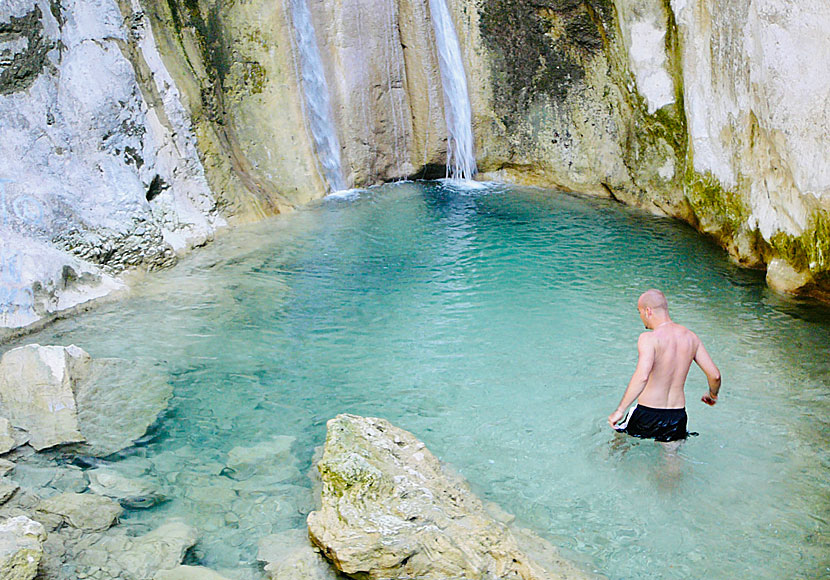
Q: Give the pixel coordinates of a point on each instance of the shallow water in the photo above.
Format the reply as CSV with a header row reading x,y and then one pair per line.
x,y
498,324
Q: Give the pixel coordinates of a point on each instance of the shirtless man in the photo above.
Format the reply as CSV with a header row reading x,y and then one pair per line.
x,y
665,356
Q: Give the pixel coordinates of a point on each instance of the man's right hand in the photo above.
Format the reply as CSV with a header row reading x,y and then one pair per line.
x,y
709,399
615,418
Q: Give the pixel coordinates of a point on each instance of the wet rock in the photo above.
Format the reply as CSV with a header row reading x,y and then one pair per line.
x,y
21,548
6,467
7,489
390,509
37,392
85,511
188,573
131,493
271,458
782,277
114,554
290,556
123,393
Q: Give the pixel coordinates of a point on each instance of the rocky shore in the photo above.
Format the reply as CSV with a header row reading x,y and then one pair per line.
x,y
78,501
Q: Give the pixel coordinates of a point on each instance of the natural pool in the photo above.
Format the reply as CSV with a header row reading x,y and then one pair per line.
x,y
498,324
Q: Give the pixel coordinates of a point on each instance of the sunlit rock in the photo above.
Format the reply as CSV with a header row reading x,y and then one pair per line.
x,y
390,509
85,511
290,556
21,548
781,276
37,392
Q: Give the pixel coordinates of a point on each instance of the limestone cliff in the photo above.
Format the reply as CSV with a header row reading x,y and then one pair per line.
x,y
98,164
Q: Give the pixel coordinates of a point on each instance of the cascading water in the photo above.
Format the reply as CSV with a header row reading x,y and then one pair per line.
x,y
461,160
316,92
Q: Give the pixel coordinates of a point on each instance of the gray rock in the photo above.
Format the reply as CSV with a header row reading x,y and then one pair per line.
x,y
37,392
115,554
6,467
7,489
391,510
21,548
290,556
8,441
85,511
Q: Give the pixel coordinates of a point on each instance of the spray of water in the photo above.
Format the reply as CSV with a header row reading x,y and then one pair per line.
x,y
461,160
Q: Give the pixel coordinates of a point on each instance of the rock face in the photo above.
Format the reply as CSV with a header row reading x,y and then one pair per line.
x,y
37,392
98,163
21,548
391,510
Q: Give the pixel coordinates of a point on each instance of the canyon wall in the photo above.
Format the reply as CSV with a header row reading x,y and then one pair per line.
x,y
131,130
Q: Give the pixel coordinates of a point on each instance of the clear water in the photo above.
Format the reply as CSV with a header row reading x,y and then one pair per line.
x,y
499,325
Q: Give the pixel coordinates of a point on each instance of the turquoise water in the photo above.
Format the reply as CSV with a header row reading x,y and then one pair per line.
x,y
499,325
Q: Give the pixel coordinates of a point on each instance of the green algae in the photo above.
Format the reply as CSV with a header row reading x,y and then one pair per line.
x,y
810,250
714,204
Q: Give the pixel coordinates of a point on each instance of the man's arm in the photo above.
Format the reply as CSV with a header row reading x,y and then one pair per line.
x,y
707,365
645,361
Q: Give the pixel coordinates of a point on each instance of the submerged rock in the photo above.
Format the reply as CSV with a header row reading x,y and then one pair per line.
x,y
189,573
21,548
391,510
85,511
131,493
123,393
289,556
115,554
272,458
37,392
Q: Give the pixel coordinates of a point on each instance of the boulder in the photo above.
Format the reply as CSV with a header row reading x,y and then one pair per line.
x,y
119,392
37,392
85,511
290,556
21,548
6,467
390,509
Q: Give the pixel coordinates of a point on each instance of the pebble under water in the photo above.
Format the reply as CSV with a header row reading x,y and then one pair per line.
x,y
499,325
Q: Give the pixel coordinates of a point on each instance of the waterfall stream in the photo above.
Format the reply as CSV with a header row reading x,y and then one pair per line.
x,y
461,160
316,93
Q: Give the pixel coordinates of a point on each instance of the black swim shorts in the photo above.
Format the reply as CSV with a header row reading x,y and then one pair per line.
x,y
658,424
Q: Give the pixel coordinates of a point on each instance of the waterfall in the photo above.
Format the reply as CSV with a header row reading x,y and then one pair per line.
x,y
461,159
316,91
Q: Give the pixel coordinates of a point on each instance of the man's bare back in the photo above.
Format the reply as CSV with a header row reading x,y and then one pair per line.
x,y
665,356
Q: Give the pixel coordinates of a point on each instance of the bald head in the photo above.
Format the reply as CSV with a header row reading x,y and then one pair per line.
x,y
653,299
